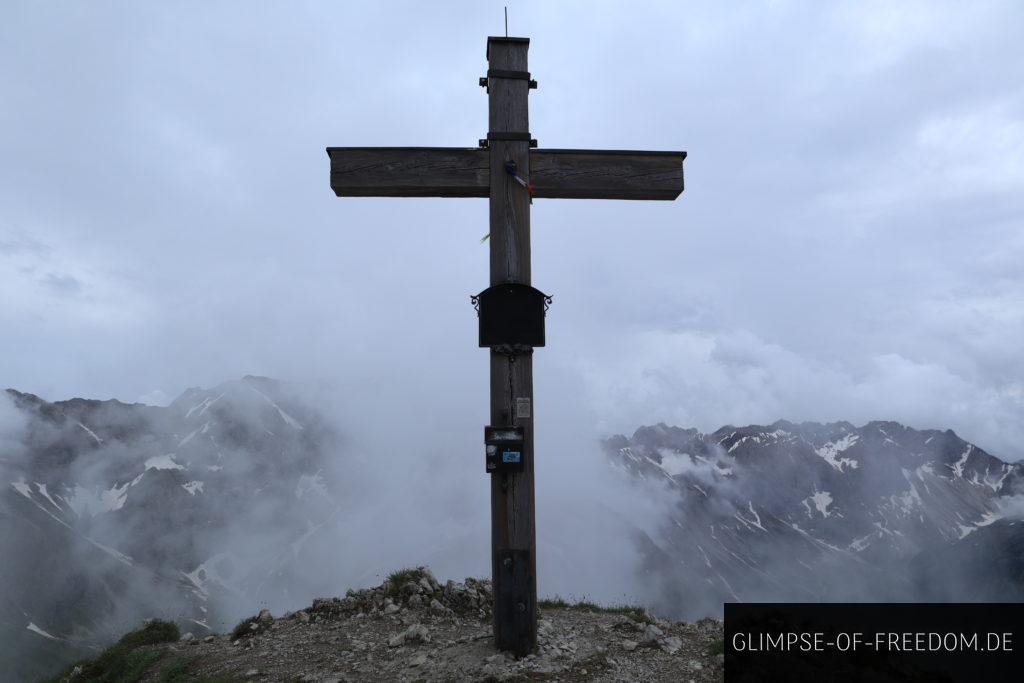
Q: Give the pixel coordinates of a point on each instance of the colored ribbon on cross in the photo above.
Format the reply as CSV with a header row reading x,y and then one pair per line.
x,y
513,170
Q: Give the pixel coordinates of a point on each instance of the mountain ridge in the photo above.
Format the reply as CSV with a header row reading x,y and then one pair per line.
x,y
231,497
811,511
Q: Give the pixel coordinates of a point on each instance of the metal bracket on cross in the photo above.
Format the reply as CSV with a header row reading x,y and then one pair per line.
x,y
485,81
508,137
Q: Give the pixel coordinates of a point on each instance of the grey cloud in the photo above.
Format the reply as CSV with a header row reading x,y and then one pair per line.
x,y
62,284
845,248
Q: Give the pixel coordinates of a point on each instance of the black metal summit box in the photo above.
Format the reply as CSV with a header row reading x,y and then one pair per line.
x,y
512,315
504,448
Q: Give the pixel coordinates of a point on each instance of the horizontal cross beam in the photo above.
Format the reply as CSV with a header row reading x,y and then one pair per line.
x,y
465,172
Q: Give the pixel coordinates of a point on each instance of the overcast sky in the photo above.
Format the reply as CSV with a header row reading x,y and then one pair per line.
x,y
849,244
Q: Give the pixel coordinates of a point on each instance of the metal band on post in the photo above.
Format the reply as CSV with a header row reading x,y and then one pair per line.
x,y
511,137
509,74
504,73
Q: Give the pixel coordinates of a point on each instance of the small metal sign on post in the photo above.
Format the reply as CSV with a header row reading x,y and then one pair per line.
x,y
509,169
522,408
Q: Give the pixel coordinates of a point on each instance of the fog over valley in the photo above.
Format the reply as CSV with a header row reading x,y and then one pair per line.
x,y
251,494
224,389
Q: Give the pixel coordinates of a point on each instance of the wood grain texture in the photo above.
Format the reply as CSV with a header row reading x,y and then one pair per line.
x,y
409,171
513,517
466,172
606,174
473,172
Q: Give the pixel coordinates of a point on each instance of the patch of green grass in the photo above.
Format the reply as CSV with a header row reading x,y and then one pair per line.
x,y
717,648
400,578
125,661
407,575
636,613
156,631
553,603
632,611
244,628
178,672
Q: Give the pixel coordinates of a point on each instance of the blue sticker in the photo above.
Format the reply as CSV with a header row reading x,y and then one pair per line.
x,y
510,456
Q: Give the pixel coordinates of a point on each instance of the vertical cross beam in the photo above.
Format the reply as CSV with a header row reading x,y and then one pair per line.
x,y
465,172
513,532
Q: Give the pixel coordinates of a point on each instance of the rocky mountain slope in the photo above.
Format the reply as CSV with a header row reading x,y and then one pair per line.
x,y
413,628
227,501
112,512
822,512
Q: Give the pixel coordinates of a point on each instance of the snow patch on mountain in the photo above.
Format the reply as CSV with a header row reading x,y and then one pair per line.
x,y
754,521
203,406
814,539
188,438
832,449
193,487
821,500
115,497
35,629
116,554
958,466
21,487
923,470
220,570
163,462
997,483
758,439
858,544
986,519
910,497
46,494
91,502
289,420
91,433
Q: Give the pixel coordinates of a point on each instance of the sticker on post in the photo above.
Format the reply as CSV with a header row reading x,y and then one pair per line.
x,y
522,407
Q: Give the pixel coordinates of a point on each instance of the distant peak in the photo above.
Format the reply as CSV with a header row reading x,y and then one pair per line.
x,y
259,379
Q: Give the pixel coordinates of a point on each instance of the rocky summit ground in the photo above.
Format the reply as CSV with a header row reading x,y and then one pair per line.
x,y
412,628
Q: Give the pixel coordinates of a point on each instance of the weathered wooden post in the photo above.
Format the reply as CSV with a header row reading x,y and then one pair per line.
x,y
513,526
506,169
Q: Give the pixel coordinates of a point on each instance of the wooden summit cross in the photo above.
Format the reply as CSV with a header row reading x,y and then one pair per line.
x,y
506,169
